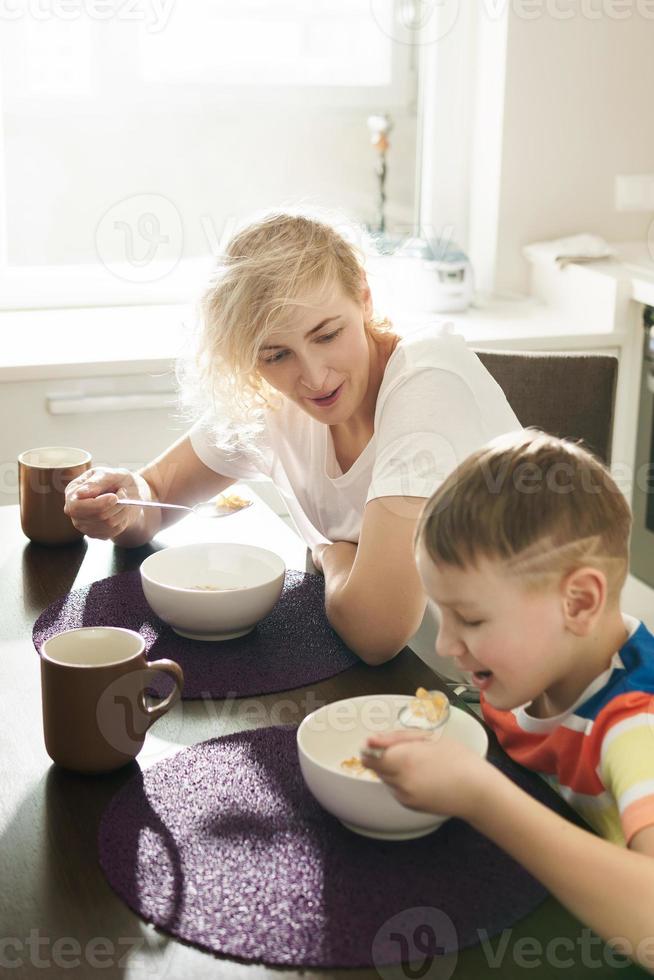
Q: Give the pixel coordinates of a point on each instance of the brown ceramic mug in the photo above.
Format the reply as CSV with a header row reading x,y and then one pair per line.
x,y
43,475
93,687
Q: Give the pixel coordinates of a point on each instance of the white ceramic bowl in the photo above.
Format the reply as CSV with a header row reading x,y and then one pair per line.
x,y
338,731
212,591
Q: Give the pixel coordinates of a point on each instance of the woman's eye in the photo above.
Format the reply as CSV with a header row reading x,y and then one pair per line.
x,y
282,354
326,337
275,357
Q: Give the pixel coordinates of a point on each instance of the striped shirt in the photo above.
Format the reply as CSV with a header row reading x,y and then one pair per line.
x,y
599,755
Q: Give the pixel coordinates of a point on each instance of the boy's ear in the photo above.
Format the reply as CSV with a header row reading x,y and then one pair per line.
x,y
584,597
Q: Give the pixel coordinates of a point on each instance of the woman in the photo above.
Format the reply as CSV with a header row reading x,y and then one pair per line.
x,y
354,425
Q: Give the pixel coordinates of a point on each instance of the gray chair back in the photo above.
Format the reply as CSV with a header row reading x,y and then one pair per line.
x,y
567,395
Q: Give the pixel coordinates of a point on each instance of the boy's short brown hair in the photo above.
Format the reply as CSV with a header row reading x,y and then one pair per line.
x,y
541,505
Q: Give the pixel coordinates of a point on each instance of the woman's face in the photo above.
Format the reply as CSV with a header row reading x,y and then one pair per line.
x,y
320,356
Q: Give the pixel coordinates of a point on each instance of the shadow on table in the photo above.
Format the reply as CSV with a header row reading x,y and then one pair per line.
x,y
143,824
56,907
66,881
41,565
542,933
69,566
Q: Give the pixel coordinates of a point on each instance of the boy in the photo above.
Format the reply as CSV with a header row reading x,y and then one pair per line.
x,y
524,548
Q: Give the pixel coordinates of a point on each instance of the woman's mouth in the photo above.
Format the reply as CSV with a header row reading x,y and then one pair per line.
x,y
328,399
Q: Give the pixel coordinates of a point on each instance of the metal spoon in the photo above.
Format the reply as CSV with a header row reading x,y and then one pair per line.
x,y
209,508
415,722
408,717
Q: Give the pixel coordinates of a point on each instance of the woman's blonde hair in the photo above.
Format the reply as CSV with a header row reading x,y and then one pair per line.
x,y
542,506
268,267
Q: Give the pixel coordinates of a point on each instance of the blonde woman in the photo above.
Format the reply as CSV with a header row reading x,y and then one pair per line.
x,y
355,425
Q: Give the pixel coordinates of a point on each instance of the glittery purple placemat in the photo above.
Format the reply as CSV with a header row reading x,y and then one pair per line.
x,y
292,647
224,847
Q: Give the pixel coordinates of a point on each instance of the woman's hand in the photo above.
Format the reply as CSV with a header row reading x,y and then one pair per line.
x,y
435,776
92,501
178,476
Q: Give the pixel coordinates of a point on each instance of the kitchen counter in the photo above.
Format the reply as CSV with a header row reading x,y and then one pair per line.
x,y
580,307
113,340
633,265
584,307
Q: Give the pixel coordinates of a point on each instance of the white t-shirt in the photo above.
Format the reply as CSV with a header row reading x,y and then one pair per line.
x,y
436,404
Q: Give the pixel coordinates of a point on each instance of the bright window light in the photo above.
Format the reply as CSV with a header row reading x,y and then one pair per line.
x,y
131,129
285,42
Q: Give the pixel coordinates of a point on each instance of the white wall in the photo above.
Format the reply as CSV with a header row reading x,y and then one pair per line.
x,y
531,119
577,111
448,70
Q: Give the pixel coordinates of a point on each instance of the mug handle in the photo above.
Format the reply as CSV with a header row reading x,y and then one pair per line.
x,y
168,667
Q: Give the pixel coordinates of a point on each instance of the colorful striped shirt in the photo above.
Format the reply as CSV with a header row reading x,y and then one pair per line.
x,y
599,755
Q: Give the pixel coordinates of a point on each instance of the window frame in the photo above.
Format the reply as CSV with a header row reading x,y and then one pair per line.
x,y
55,286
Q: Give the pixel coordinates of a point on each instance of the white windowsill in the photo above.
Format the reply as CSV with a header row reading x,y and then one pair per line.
x,y
127,339
95,341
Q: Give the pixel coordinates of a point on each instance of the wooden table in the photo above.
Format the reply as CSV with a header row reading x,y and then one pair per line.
x,y
58,916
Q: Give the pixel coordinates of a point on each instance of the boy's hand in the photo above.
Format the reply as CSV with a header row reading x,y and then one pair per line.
x,y
435,776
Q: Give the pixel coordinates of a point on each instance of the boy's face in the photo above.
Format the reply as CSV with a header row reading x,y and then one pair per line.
x,y
512,641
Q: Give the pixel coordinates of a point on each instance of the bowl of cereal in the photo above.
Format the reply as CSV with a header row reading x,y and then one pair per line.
x,y
329,745
212,591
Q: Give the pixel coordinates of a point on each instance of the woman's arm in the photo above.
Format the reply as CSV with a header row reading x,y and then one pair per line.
x,y
429,422
610,888
177,476
373,595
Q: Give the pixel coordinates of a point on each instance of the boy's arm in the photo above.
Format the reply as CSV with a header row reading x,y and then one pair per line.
x,y
643,841
608,887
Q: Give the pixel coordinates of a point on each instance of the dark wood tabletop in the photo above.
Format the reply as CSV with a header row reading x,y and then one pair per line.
x,y
58,915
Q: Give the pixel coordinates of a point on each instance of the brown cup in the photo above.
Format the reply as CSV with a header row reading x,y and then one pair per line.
x,y
43,475
93,684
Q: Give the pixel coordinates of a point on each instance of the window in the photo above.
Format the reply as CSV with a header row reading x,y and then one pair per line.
x,y
132,134
308,43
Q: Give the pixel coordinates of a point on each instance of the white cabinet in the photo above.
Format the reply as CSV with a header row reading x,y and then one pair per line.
x,y
122,421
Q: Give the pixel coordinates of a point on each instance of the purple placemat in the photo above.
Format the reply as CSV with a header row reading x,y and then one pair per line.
x,y
292,647
224,847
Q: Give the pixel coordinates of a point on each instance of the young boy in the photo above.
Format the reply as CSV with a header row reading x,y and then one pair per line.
x,y
524,548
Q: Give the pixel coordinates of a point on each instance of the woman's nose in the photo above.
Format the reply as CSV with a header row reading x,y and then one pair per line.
x,y
313,374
